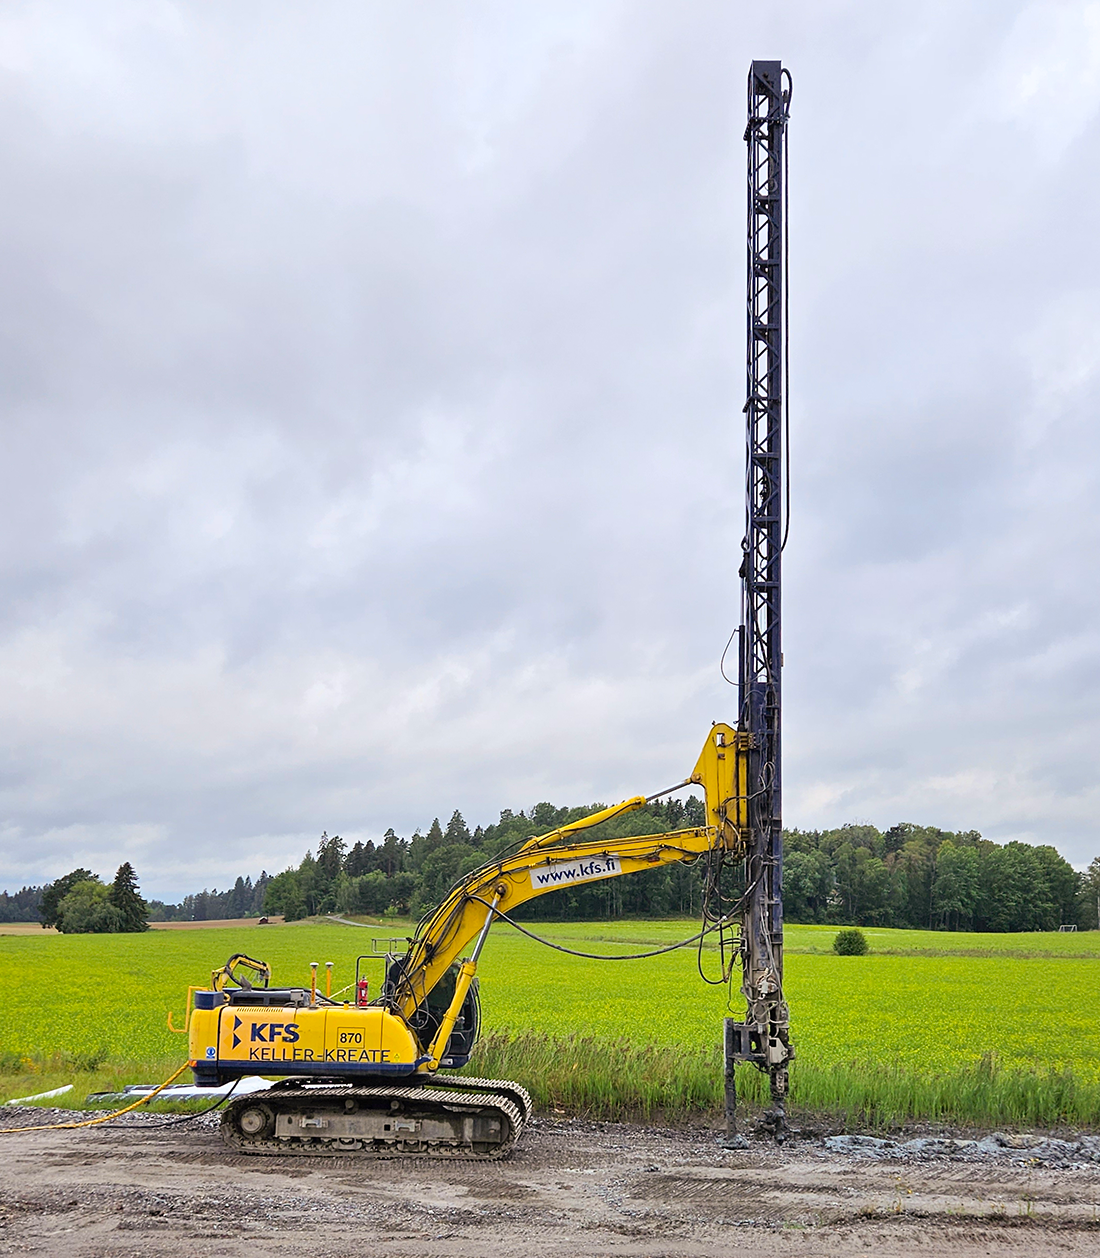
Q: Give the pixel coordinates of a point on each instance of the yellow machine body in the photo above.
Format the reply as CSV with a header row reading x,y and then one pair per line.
x,y
300,1040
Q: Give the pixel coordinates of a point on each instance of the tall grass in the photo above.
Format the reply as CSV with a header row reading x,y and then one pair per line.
x,y
619,1079
624,1080
603,1078
99,1071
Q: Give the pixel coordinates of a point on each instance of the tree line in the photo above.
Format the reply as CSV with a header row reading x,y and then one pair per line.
x,y
21,906
40,904
244,899
907,876
410,876
923,877
912,876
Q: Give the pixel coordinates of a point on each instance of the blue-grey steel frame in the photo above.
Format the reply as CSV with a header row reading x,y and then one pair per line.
x,y
763,1038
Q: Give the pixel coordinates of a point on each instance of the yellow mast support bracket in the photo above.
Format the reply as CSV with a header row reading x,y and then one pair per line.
x,y
722,772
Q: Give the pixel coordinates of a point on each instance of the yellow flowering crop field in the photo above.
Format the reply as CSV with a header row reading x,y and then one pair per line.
x,y
928,1024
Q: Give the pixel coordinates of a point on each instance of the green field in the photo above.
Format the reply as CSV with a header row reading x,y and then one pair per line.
x,y
997,1028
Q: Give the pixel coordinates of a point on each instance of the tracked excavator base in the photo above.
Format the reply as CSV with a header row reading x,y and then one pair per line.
x,y
472,1119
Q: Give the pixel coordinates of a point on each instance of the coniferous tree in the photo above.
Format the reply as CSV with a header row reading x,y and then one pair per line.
x,y
392,853
330,856
421,846
360,860
124,895
237,899
457,830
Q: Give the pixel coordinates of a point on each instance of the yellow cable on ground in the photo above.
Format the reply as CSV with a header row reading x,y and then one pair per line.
x,y
103,1118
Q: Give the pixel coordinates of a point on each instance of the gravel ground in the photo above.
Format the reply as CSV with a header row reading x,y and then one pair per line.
x,y
138,1187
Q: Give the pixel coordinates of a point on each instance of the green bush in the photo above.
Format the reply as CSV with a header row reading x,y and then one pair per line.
x,y
87,910
850,943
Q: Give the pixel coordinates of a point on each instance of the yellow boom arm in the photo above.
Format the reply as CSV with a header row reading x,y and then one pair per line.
x,y
566,857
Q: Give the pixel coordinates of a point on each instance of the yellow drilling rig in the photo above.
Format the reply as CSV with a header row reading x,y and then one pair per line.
x,y
362,1077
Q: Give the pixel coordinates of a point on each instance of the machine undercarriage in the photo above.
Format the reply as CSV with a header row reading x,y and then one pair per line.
x,y
475,1119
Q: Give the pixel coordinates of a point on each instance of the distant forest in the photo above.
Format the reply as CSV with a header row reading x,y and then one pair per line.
x,y
907,876
244,899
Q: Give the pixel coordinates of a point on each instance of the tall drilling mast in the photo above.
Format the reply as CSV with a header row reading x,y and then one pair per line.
x,y
763,1038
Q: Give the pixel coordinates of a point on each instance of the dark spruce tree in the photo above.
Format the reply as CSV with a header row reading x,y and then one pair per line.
x,y
124,895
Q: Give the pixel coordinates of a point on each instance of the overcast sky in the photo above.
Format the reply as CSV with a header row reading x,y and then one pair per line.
x,y
372,379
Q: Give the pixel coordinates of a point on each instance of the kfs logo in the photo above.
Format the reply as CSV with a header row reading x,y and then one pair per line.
x,y
265,1032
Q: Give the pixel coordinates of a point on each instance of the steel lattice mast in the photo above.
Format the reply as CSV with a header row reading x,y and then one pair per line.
x,y
763,1037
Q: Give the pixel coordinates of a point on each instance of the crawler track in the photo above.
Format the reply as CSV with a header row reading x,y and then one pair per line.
x,y
468,1119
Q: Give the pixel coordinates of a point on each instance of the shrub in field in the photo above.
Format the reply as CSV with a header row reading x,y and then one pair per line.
x,y
850,943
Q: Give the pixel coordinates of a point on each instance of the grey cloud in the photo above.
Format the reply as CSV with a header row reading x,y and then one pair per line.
x,y
372,402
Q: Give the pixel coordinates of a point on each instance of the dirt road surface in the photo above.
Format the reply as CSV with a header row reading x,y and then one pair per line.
x,y
571,1189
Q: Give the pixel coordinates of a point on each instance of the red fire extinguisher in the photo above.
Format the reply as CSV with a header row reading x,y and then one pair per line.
x,y
362,993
